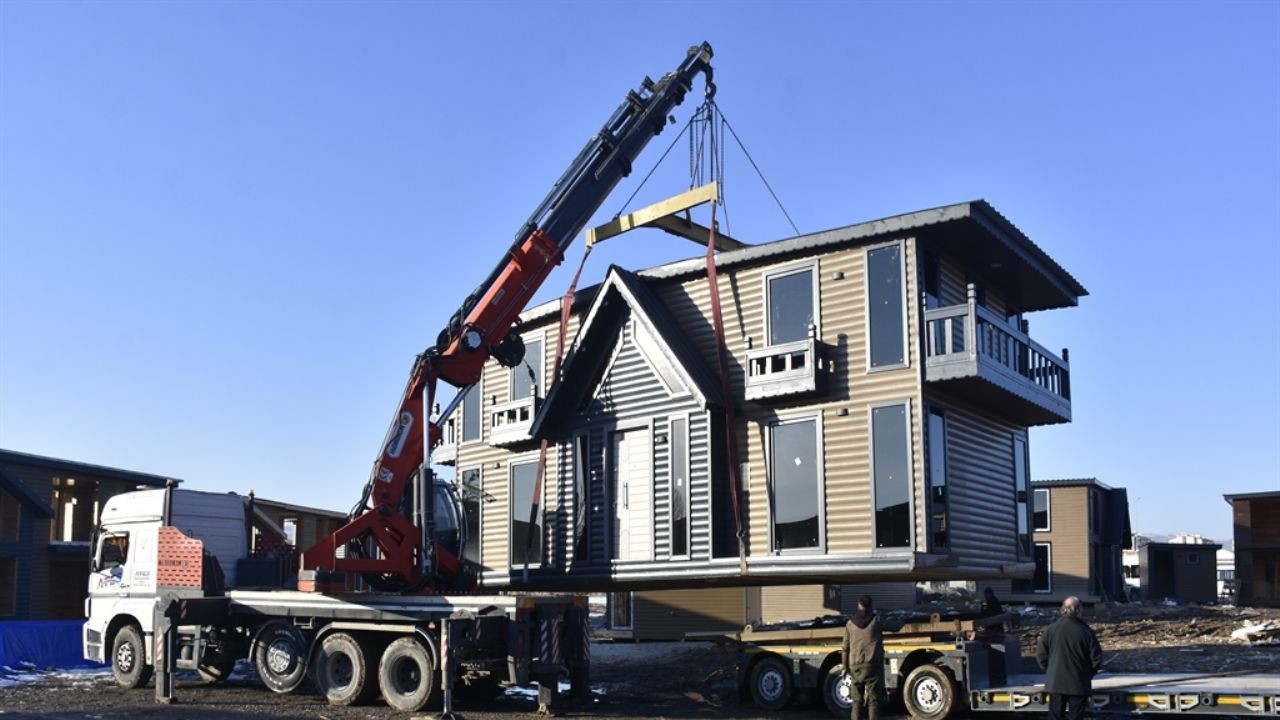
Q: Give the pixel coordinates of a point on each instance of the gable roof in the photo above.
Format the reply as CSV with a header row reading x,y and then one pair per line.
x,y
71,466
580,367
24,495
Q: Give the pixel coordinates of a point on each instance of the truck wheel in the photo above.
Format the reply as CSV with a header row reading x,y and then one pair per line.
x,y
216,667
770,684
837,692
342,671
280,656
407,676
129,658
929,693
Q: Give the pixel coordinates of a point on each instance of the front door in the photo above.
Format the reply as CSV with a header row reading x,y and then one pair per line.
x,y
632,495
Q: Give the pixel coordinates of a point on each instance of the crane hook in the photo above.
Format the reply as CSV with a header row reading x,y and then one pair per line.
x,y
711,90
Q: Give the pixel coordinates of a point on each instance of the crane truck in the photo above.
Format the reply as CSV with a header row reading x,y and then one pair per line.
x,y
172,581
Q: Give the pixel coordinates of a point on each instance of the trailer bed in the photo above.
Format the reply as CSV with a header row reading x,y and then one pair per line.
x,y
1226,693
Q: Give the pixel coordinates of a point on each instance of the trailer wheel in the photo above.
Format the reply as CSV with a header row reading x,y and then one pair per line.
x,y
407,675
280,656
929,693
342,671
837,692
129,658
770,684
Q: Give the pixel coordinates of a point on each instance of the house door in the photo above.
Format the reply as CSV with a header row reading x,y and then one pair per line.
x,y
632,495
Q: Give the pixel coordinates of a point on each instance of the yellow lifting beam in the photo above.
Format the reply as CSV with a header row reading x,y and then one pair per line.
x,y
663,216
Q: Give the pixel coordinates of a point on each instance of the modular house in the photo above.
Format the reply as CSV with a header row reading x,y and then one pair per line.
x,y
881,379
1256,518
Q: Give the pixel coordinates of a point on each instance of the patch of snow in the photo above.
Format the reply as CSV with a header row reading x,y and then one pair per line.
x,y
530,692
27,675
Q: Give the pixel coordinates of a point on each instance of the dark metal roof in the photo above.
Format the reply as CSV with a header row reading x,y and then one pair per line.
x,y
71,466
24,495
1070,482
300,509
582,365
1252,495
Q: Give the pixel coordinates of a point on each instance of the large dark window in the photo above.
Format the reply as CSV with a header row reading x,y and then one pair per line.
x,y
679,443
471,411
472,494
8,586
790,299
1042,580
524,547
884,306
1040,501
794,478
10,517
1021,484
938,526
891,465
527,376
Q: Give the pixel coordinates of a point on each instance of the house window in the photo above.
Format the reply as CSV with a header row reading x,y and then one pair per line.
x,y
794,484
1042,582
526,378
526,541
1193,557
938,528
471,410
1021,484
8,586
790,297
581,495
10,517
471,492
678,436
1040,510
620,610
885,308
290,526
891,472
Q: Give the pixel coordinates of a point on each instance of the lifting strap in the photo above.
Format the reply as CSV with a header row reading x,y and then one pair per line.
x,y
566,308
726,389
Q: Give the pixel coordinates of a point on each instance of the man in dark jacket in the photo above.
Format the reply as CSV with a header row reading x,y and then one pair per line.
x,y
863,656
1069,653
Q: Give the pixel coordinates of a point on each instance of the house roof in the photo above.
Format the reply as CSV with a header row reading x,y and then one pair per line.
x,y
974,226
583,358
71,466
24,495
1070,482
300,509
1252,496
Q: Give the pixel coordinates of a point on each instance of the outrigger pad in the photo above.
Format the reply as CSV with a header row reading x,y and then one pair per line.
x,y
322,581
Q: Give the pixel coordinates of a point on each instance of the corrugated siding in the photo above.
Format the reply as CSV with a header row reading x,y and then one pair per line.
x,y
670,614
787,603
884,596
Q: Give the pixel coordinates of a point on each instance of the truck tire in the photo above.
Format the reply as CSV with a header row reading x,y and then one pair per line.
x,y
280,656
837,692
929,693
770,684
407,675
215,667
129,658
342,671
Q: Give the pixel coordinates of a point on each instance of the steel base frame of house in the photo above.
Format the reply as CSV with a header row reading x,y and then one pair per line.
x,y
883,379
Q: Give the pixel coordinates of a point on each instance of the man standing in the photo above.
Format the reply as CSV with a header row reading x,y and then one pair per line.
x,y
1069,653
863,656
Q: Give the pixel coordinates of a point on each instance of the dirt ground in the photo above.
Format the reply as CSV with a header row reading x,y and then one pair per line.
x,y
649,680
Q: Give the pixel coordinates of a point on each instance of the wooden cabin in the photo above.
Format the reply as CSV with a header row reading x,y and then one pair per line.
x,y
882,381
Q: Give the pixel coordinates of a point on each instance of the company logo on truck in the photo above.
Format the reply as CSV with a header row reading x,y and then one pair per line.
x,y
401,436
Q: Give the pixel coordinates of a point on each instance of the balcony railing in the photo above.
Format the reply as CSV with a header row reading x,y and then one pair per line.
x,y
510,422
969,341
785,370
446,453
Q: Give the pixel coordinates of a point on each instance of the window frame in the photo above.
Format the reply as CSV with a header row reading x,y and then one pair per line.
x,y
811,265
866,304
580,453
477,531
512,463
478,389
687,419
1048,510
821,479
941,412
538,336
1193,557
910,547
1023,552
1048,546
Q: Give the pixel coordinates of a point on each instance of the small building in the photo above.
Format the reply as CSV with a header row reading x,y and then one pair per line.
x,y
1181,571
1080,531
48,510
1256,517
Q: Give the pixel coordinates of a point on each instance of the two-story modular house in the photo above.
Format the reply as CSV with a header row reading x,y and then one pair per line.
x,y
881,379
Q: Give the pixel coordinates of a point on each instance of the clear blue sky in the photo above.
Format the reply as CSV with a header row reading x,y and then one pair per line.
x,y
226,228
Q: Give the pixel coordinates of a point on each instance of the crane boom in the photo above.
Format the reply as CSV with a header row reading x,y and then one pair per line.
x,y
396,512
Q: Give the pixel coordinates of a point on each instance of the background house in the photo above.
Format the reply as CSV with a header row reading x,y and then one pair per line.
x,y
1080,529
1185,571
1257,547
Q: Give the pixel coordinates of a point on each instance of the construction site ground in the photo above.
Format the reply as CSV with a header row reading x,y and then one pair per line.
x,y
652,680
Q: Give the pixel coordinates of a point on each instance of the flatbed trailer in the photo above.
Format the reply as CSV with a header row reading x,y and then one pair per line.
x,y
939,666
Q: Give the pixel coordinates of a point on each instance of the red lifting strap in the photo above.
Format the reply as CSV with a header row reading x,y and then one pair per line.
x,y
726,389
566,307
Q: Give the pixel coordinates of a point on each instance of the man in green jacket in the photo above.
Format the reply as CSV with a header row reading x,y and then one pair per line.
x,y
863,656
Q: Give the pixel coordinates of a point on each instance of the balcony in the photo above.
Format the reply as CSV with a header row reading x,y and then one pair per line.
x,y
790,370
446,453
980,357
510,422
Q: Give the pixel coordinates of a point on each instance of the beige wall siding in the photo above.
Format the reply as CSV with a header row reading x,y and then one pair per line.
x,y
1068,538
670,614
789,603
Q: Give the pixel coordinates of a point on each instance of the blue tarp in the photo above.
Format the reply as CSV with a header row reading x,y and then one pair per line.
x,y
42,644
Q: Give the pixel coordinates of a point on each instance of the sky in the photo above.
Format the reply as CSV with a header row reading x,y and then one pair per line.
x,y
226,228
